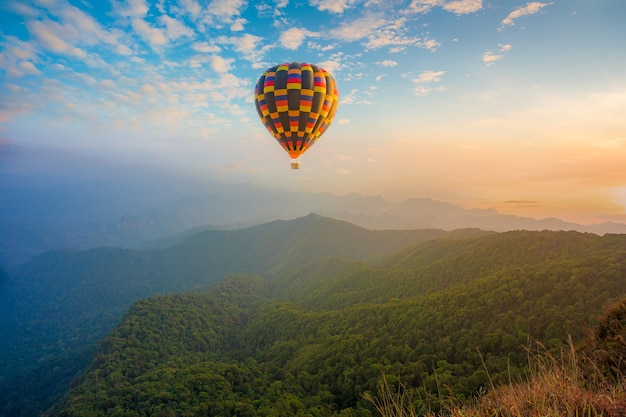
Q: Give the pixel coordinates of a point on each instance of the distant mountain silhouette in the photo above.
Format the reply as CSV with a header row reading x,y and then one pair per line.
x,y
52,199
27,233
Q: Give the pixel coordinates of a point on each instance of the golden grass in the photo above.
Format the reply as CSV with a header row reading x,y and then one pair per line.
x,y
554,387
390,403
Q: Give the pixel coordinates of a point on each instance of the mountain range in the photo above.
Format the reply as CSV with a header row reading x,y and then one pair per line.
x,y
58,306
446,317
73,217
52,199
81,245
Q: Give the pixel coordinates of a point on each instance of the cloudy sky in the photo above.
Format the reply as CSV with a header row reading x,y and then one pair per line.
x,y
507,104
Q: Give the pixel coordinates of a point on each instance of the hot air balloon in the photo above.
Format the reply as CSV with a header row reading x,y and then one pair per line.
x,y
296,102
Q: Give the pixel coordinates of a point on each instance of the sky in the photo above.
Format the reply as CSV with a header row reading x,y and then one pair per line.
x,y
514,105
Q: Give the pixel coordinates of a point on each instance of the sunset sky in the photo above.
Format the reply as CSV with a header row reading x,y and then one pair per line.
x,y
514,105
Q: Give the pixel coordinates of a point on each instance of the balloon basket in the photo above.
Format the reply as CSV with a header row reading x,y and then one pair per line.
x,y
295,165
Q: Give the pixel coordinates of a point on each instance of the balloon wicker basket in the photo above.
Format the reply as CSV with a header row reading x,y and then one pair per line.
x,y
295,164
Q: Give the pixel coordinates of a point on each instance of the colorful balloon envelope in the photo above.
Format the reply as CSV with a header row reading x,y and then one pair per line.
x,y
296,102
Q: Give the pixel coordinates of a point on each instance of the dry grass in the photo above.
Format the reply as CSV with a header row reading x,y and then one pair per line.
x,y
554,387
390,403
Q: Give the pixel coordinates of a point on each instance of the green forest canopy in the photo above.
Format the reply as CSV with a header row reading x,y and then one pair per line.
x,y
443,316
57,306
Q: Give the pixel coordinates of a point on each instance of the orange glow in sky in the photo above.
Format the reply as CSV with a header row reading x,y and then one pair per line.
x,y
518,106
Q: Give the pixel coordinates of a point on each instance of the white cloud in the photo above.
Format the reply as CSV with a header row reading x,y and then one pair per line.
x,y
90,30
381,33
529,9
205,47
18,69
107,84
334,63
428,78
357,29
266,11
148,90
27,67
490,57
249,46
220,64
463,6
333,6
131,8
174,28
429,44
21,9
387,63
153,36
191,7
397,41
154,102
216,14
422,90
294,37
246,43
348,98
16,101
53,36
17,57
74,28
423,6
238,25
454,6
18,49
225,8
319,47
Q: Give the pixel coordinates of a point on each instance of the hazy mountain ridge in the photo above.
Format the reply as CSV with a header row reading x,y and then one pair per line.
x,y
136,212
310,341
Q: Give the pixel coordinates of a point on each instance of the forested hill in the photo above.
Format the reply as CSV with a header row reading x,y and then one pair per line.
x,y
311,340
58,305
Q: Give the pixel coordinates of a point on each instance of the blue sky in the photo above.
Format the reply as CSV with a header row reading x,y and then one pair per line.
x,y
512,105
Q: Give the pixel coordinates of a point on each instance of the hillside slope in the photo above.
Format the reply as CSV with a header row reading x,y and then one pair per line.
x,y
58,305
311,341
